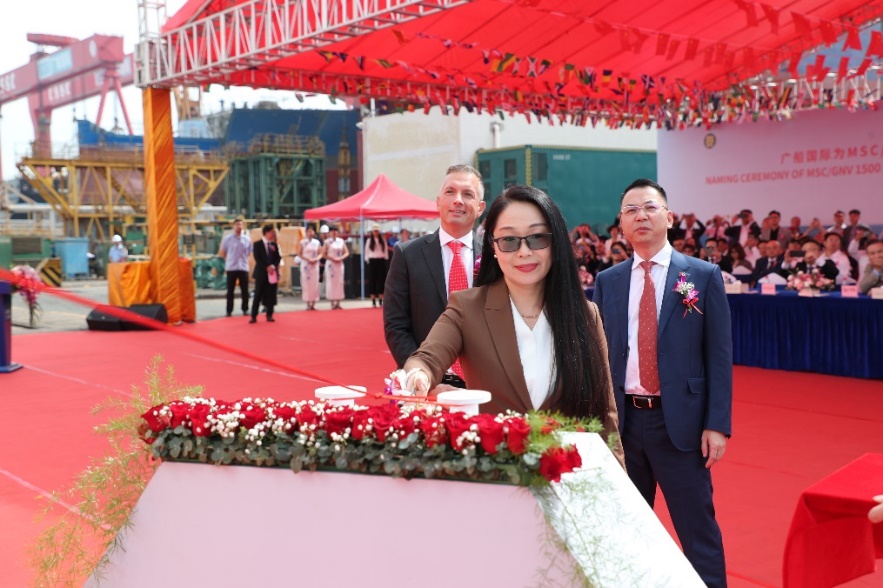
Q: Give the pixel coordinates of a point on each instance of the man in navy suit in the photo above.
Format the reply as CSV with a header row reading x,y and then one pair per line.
x,y
672,369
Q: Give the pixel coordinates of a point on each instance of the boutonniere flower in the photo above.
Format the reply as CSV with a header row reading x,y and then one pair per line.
x,y
476,266
689,292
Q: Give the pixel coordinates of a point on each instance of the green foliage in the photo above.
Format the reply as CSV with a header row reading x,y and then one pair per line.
x,y
103,496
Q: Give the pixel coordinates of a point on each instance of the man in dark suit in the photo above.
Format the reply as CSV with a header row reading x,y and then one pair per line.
x,y
811,252
672,370
417,285
770,263
266,273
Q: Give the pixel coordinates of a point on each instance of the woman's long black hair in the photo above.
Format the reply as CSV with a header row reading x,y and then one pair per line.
x,y
579,362
372,241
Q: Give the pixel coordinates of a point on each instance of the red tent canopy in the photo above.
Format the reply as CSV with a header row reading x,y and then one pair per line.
x,y
635,60
380,200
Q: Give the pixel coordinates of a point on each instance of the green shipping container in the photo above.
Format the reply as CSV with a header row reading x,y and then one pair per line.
x,y
5,252
585,183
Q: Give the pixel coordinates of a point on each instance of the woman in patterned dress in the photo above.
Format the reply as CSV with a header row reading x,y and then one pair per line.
x,y
310,252
335,252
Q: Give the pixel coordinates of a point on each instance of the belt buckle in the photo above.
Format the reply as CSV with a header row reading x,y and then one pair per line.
x,y
647,399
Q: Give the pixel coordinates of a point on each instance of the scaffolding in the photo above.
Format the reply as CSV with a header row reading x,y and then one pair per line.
x,y
104,188
276,176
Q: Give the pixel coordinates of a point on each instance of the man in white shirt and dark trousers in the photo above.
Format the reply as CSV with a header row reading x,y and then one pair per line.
x,y
235,251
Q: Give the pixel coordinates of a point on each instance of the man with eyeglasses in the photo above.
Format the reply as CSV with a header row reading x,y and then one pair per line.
x,y
423,271
671,360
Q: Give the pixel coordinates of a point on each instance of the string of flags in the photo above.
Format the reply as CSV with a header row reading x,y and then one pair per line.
x,y
545,89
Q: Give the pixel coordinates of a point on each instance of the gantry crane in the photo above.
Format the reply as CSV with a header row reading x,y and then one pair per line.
x,y
79,69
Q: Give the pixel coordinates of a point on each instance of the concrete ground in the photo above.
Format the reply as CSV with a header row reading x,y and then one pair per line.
x,y
62,315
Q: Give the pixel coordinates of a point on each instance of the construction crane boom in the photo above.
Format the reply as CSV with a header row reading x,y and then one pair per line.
x,y
79,69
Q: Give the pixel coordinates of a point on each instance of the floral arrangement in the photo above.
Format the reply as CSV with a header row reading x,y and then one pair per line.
x,y
689,292
28,284
426,441
814,280
476,266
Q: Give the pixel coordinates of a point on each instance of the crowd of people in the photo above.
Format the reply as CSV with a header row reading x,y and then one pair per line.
x,y
751,252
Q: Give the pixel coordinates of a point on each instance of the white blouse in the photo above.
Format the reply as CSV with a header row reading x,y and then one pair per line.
x,y
537,355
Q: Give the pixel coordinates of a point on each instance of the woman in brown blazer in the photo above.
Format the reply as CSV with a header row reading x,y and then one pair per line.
x,y
553,354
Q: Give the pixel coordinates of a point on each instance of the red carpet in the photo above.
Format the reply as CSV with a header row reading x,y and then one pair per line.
x,y
790,429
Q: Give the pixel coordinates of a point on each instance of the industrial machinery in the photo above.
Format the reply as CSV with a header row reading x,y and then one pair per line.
x,y
79,69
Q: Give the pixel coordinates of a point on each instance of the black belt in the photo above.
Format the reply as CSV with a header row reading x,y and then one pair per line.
x,y
453,380
638,401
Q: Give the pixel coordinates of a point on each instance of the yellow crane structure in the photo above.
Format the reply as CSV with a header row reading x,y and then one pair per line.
x,y
100,188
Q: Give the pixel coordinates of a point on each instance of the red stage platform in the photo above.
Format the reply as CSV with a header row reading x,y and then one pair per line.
x,y
790,429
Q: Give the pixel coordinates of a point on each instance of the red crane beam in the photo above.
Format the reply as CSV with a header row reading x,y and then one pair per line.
x,y
94,53
78,70
51,40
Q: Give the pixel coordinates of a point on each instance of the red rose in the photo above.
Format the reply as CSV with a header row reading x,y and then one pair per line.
x,y
199,420
338,420
360,421
307,416
559,460
179,413
405,425
156,421
519,431
434,431
456,423
286,413
384,417
251,415
490,430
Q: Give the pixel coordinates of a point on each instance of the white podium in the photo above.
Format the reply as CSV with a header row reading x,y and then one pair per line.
x,y
203,525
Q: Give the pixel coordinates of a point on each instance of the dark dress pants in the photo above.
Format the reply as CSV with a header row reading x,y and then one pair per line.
x,y
232,278
264,293
651,458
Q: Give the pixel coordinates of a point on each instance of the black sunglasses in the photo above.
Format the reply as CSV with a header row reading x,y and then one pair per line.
x,y
534,242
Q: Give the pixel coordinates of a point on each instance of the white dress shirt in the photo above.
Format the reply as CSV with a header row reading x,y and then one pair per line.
x,y
658,273
537,355
466,255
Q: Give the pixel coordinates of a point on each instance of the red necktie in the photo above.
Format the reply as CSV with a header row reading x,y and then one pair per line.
x,y
648,327
457,281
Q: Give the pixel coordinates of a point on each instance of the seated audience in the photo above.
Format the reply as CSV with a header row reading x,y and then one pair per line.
x,y
752,249
688,227
873,275
714,253
839,226
810,253
742,268
717,227
849,232
770,263
615,237
834,252
771,231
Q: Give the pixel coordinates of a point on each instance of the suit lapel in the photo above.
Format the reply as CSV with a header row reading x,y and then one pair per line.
x,y
622,281
501,325
433,258
670,298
